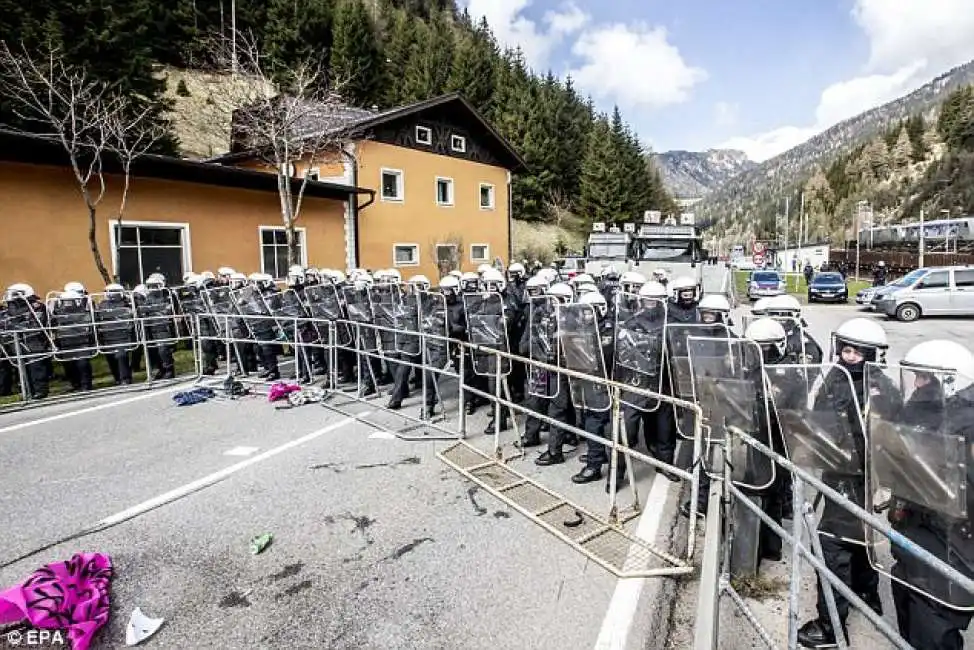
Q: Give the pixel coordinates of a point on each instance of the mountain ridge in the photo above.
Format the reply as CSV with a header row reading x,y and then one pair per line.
x,y
694,174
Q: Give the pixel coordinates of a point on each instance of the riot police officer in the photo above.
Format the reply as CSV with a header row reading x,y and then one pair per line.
x,y
788,311
26,317
470,284
854,343
408,348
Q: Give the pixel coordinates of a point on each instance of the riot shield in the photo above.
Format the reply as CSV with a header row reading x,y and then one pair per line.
x,y
581,350
325,303
191,304
800,343
288,311
639,327
918,464
221,306
73,327
817,437
678,356
157,316
386,306
24,331
358,303
257,320
487,327
406,320
543,346
435,327
728,384
115,324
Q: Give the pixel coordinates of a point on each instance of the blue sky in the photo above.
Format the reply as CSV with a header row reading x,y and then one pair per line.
x,y
759,75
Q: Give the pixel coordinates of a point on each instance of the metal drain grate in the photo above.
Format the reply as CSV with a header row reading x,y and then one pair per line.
x,y
610,546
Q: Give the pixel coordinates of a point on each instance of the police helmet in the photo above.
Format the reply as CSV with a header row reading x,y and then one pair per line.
x,y
585,287
420,282
610,273
582,278
114,288
562,292
19,290
760,307
653,290
783,305
769,334
76,287
597,300
863,334
483,268
949,361
631,281
455,273
70,295
516,269
449,284
493,280
155,281
207,275
225,271
469,281
714,302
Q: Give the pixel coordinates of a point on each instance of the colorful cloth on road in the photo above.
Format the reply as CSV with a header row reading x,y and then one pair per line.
x,y
71,596
281,390
194,396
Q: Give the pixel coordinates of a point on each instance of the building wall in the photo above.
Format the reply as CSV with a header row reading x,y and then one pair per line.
x,y
46,225
417,219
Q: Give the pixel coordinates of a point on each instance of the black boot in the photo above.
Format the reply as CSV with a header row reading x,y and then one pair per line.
x,y
817,634
588,474
548,458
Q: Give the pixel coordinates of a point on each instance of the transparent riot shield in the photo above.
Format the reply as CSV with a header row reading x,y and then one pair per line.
x,y
639,328
487,327
115,324
157,317
325,303
581,349
406,323
24,331
435,326
358,303
287,309
678,355
386,307
257,320
543,346
189,300
918,464
728,382
72,324
221,306
801,346
818,437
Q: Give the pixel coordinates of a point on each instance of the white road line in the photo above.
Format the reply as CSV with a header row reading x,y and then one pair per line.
x,y
241,451
622,607
206,481
98,407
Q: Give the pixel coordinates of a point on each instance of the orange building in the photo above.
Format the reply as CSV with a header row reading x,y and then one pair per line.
x,y
416,185
441,176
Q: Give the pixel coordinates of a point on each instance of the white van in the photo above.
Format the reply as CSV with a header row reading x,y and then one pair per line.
x,y
935,291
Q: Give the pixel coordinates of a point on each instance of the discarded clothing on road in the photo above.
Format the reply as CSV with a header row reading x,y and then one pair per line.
x,y
193,396
71,596
280,391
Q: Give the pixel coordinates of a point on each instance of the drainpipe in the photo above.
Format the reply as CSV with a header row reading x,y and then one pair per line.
x,y
510,220
354,206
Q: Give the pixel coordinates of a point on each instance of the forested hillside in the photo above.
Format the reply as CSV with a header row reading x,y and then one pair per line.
x,y
392,52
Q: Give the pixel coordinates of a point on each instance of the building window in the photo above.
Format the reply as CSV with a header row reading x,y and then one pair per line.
x,y
273,250
424,135
392,185
405,255
146,248
486,196
314,174
444,191
458,143
479,253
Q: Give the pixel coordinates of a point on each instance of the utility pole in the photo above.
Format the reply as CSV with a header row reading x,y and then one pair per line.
x,y
858,217
787,209
920,259
801,228
233,29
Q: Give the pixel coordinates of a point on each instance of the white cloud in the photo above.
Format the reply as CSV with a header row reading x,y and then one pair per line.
x,y
513,29
634,65
910,41
726,113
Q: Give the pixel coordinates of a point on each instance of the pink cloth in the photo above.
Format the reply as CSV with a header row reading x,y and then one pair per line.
x,y
281,390
72,596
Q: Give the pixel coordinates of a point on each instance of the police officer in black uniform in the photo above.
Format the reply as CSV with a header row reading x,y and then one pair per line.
x,y
26,317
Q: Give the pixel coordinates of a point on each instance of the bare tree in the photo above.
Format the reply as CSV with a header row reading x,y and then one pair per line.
x,y
98,127
284,116
446,253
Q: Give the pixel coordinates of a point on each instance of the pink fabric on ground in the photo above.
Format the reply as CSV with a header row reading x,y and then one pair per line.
x,y
281,390
71,596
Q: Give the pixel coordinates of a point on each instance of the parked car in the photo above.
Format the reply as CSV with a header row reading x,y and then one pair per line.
x,y
763,284
828,287
865,296
935,291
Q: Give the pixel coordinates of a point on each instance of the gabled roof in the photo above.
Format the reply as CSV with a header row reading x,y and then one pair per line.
x,y
351,121
41,150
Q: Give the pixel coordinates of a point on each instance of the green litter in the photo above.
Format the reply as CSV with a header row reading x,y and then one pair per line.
x,y
259,543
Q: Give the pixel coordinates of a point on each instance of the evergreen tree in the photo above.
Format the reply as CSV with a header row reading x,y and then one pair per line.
x,y
902,152
915,128
356,62
400,36
601,189
472,73
430,60
298,32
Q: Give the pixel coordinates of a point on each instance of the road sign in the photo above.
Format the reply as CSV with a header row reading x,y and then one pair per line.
x,y
758,248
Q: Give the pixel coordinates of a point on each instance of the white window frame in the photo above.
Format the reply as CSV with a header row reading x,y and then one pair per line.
x,y
454,139
493,196
400,244
485,258
429,135
400,186
187,246
452,192
302,234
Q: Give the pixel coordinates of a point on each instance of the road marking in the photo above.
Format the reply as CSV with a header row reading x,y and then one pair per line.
x,y
382,435
622,607
241,451
98,407
215,477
